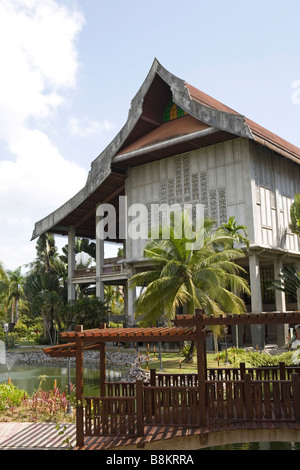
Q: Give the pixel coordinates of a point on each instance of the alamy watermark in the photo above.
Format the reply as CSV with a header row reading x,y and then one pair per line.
x,y
151,221
296,93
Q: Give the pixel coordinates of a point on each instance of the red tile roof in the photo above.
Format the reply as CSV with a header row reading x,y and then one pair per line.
x,y
178,127
188,124
260,134
207,100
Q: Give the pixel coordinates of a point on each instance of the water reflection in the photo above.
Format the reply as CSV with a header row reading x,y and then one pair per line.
x,y
26,376
2,353
258,446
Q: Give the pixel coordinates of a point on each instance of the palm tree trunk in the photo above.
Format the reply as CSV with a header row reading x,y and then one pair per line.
x,y
216,342
17,309
12,310
190,354
189,357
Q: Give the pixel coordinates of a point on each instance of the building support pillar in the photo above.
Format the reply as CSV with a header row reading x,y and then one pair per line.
x,y
257,331
129,299
71,263
99,262
280,305
102,349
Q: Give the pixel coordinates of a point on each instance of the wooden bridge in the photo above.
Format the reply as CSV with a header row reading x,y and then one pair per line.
x,y
185,410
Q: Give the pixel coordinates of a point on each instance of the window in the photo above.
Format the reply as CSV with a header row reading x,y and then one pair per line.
x,y
266,279
172,111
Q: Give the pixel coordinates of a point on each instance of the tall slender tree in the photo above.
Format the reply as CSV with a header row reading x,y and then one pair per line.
x,y
12,291
46,287
295,215
46,296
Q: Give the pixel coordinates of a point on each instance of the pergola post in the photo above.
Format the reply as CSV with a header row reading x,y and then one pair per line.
x,y
79,386
102,364
201,364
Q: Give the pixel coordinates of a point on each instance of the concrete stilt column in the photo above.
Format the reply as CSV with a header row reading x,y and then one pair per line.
x,y
126,300
254,270
130,306
280,304
71,263
257,331
130,295
99,263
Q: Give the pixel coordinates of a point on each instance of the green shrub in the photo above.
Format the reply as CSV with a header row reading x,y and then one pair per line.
x,y
20,330
255,358
10,396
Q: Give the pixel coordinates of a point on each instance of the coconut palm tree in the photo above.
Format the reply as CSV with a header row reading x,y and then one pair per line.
x,y
3,290
207,278
46,295
288,282
2,270
88,311
12,291
16,291
238,233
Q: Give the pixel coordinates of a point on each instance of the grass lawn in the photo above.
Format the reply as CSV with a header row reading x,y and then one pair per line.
x,y
172,362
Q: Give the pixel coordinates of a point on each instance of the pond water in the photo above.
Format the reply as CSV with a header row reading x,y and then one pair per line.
x,y
258,446
26,376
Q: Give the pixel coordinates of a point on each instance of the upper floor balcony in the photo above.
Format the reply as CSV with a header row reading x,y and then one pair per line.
x,y
111,268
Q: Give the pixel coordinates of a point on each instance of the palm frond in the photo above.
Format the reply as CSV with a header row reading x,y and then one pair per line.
x,y
202,278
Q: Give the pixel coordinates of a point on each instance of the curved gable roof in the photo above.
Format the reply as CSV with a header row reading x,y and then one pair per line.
x,y
144,128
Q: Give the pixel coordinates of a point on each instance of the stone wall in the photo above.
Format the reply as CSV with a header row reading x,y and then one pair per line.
x,y
91,357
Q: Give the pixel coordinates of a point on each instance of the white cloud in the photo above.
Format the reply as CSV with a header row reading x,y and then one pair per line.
x,y
38,64
86,127
39,171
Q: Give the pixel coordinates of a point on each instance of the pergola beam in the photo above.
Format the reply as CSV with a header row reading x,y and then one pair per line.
x,y
184,330
265,318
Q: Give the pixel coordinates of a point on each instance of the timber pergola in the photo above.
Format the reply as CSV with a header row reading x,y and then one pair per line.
x,y
133,401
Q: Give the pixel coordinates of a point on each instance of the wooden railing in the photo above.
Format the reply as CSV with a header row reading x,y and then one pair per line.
x,y
171,405
110,266
110,416
120,389
177,400
84,272
177,380
280,372
253,400
121,414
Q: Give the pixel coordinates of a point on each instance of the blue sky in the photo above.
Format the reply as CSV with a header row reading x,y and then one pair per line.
x,y
71,68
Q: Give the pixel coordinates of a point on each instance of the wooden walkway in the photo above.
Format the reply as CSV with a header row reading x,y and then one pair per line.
x,y
44,436
155,435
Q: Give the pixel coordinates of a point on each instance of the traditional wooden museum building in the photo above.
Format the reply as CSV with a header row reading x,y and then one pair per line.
x,y
180,145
